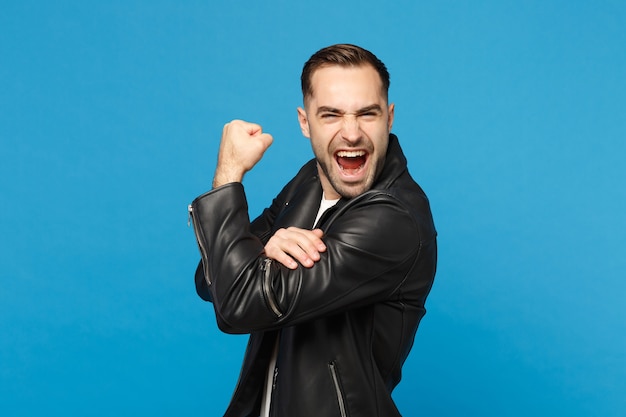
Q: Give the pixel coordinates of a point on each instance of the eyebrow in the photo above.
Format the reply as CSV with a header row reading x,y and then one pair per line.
x,y
366,109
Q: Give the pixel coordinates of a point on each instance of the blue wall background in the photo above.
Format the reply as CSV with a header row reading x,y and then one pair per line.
x,y
513,118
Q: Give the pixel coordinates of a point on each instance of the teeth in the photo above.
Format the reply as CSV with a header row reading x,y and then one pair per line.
x,y
350,154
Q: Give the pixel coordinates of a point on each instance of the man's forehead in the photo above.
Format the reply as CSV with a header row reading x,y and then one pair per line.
x,y
328,77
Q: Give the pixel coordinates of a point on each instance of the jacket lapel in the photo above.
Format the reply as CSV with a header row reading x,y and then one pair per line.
x,y
301,208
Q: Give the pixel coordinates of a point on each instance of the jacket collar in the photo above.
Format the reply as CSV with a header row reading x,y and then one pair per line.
x,y
395,165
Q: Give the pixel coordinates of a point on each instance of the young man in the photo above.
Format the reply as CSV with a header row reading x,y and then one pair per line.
x,y
331,280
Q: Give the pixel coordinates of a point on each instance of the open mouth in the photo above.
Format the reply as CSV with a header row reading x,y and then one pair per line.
x,y
351,162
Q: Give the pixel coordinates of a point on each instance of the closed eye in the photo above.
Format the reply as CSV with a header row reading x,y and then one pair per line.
x,y
370,112
370,115
329,116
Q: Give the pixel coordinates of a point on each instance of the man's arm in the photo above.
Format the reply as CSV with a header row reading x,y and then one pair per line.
x,y
241,147
372,251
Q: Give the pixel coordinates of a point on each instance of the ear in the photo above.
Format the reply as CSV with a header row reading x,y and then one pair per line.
x,y
391,109
304,122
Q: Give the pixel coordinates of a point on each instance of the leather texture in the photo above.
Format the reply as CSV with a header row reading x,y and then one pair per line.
x,y
348,323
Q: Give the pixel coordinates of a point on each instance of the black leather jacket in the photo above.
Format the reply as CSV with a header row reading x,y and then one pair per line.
x,y
348,323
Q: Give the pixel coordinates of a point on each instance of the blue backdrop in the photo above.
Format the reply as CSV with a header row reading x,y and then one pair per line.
x,y
512,115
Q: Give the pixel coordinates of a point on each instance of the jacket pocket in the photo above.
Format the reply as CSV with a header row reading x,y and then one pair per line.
x,y
334,374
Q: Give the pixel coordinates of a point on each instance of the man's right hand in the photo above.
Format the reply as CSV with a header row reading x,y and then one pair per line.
x,y
294,244
242,146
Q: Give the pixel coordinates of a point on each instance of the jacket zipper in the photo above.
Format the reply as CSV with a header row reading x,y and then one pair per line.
x,y
267,285
333,373
191,218
274,378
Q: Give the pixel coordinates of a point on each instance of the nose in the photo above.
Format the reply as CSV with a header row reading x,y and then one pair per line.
x,y
350,129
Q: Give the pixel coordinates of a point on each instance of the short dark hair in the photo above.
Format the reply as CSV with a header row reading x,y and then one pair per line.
x,y
344,55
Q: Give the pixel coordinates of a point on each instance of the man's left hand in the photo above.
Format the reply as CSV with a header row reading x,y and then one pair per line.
x,y
294,244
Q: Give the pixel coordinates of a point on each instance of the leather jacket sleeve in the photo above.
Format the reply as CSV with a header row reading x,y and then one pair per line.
x,y
373,251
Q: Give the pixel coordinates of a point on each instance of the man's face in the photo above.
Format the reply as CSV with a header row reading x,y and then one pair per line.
x,y
348,121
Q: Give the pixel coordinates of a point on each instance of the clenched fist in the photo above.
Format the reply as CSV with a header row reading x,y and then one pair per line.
x,y
243,144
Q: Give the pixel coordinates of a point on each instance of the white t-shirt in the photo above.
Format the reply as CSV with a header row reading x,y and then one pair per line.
x,y
271,369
